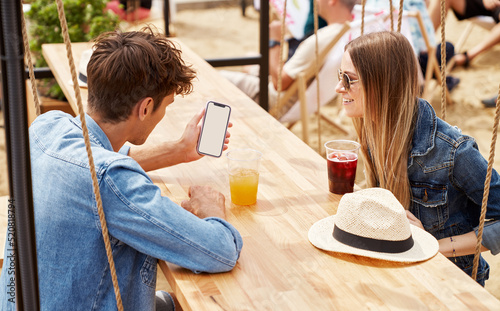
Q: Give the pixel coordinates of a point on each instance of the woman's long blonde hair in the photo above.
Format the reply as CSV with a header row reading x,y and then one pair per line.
x,y
388,70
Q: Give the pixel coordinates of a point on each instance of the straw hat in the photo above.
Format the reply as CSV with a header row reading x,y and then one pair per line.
x,y
373,223
82,68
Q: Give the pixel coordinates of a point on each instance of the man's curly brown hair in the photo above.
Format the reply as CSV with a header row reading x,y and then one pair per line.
x,y
127,67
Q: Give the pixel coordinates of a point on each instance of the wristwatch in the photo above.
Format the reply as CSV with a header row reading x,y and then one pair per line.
x,y
273,43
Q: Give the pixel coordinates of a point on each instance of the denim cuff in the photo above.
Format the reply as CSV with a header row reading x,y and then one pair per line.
x,y
491,236
238,241
124,150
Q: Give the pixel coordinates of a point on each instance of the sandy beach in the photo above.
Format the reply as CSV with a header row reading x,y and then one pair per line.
x,y
223,32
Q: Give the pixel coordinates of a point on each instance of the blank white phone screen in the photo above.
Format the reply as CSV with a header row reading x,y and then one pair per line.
x,y
214,129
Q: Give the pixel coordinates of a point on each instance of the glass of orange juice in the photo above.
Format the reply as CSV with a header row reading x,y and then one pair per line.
x,y
243,168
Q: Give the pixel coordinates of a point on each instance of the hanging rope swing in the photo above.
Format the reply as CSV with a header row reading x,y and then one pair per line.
x,y
27,52
484,203
281,61
316,70
76,87
443,60
278,106
491,158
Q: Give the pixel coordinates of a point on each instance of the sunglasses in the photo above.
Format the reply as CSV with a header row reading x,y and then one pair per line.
x,y
346,81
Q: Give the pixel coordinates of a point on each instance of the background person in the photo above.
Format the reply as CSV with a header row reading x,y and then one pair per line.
x,y
436,172
417,35
335,13
490,102
120,8
465,9
293,43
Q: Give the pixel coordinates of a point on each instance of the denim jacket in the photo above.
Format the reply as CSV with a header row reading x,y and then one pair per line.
x,y
143,225
447,174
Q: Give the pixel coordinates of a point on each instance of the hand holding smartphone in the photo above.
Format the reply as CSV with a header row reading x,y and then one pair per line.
x,y
213,129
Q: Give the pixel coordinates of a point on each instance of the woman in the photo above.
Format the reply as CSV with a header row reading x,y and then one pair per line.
x,y
436,172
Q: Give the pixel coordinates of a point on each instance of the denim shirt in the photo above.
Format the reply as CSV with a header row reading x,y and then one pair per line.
x,y
143,225
447,174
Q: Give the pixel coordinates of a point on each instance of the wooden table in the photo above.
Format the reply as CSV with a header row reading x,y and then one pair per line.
x,y
279,269
55,55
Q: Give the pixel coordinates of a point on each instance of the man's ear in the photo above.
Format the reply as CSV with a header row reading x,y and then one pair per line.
x,y
145,108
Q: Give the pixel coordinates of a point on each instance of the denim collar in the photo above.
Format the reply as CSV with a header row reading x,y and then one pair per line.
x,y
425,130
96,134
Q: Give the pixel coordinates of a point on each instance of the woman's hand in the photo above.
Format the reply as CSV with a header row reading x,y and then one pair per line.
x,y
414,220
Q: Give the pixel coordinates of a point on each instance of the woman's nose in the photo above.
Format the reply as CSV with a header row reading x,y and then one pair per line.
x,y
339,88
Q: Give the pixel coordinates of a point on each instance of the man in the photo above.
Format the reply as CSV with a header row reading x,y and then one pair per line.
x,y
132,78
465,9
334,12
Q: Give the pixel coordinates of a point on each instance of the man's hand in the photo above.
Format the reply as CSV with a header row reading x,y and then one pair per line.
x,y
189,139
205,202
275,30
174,152
491,4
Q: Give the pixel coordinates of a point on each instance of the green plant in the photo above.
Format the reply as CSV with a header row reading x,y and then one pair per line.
x,y
86,19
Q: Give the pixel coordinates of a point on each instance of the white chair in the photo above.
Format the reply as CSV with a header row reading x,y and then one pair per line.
x,y
487,22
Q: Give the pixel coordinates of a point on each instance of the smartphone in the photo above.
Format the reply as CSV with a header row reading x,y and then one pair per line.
x,y
213,129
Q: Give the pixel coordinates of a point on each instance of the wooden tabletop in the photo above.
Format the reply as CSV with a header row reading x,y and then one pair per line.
x,y
279,269
56,57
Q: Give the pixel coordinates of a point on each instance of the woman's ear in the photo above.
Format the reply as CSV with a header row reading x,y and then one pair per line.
x,y
145,108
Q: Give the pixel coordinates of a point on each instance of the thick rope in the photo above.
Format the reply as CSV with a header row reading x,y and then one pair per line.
x,y
443,60
487,181
105,234
316,73
363,4
27,52
400,15
391,13
281,60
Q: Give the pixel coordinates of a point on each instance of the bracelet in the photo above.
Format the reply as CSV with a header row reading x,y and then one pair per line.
x,y
454,252
273,43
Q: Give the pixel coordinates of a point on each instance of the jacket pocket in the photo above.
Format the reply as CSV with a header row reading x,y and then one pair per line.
x,y
148,271
430,205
